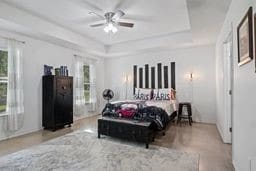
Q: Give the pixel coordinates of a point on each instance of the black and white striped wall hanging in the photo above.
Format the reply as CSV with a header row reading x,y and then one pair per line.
x,y
161,76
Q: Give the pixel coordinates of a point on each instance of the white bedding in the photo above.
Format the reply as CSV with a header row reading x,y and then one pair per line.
x,y
166,105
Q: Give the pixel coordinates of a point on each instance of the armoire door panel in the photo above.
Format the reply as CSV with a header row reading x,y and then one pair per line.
x,y
57,111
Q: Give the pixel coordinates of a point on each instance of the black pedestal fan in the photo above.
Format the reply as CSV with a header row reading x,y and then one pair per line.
x,y
107,95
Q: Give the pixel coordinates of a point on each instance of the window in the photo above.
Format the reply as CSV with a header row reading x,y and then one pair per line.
x,y
3,80
87,96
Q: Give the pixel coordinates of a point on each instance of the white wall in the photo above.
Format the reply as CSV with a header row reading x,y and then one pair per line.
x,y
244,118
37,53
199,60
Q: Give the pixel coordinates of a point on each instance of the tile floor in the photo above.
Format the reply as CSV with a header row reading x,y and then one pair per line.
x,y
203,139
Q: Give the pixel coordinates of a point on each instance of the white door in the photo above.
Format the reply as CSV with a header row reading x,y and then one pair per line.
x,y
228,87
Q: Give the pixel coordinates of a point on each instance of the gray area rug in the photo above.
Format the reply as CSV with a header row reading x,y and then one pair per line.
x,y
84,151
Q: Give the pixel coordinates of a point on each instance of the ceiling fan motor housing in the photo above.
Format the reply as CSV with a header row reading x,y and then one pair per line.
x,y
109,16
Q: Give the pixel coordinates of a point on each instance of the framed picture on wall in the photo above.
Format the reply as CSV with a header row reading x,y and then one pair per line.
x,y
245,38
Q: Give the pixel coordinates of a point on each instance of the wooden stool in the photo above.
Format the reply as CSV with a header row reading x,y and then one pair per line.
x,y
181,116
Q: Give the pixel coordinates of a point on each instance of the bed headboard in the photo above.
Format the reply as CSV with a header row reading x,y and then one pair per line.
x,y
148,77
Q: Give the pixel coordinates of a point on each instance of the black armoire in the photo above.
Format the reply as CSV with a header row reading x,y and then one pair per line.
x,y
57,101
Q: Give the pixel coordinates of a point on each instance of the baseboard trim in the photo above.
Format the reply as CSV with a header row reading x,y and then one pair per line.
x,y
221,132
76,118
235,165
21,133
205,122
224,138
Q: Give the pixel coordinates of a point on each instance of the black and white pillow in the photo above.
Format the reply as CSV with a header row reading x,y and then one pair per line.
x,y
154,94
143,94
163,94
136,94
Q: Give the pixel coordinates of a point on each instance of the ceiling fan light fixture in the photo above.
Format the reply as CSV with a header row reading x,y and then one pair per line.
x,y
111,21
106,29
114,29
110,27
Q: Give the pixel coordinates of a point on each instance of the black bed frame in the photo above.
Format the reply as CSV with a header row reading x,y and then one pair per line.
x,y
129,129
133,129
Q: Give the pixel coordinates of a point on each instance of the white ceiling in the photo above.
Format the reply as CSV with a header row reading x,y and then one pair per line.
x,y
160,16
158,23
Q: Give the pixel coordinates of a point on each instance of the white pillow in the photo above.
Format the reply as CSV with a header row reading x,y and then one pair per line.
x,y
163,94
144,94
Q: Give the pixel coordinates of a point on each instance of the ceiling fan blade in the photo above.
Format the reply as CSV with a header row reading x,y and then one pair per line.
x,y
86,20
96,14
134,17
118,14
97,25
125,24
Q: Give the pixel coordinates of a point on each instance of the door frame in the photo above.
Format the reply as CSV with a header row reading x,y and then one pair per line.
x,y
228,61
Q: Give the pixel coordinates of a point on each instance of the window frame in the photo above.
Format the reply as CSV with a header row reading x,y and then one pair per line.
x,y
88,84
5,80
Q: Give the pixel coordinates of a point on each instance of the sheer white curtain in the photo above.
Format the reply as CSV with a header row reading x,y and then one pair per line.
x,y
93,87
80,106
15,105
79,99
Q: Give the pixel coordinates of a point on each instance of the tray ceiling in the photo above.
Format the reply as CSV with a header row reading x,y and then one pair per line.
x,y
161,24
151,17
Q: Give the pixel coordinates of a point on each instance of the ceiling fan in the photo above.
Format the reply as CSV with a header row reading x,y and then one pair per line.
x,y
111,21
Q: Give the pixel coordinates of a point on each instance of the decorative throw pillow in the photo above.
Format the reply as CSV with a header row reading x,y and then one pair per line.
x,y
163,94
136,94
154,94
144,94
129,106
173,99
172,94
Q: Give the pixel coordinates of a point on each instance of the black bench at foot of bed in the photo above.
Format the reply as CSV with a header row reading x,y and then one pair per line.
x,y
135,130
